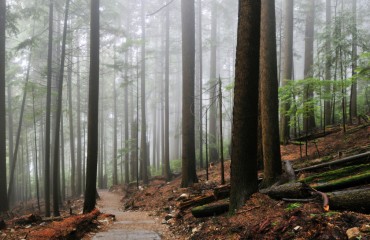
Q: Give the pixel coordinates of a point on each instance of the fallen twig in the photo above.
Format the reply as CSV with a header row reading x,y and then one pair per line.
x,y
325,204
298,200
248,210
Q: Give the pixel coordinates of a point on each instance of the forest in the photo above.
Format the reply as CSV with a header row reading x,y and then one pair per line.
x,y
184,119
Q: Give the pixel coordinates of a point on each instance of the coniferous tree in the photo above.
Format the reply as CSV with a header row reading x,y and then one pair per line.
x,y
287,68
309,115
3,186
269,95
93,114
189,175
243,179
48,111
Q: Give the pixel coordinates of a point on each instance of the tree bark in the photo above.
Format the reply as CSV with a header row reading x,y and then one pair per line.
x,y
269,95
167,170
144,153
93,114
189,176
213,153
244,181
328,63
309,113
287,69
56,165
48,112
353,99
71,131
3,179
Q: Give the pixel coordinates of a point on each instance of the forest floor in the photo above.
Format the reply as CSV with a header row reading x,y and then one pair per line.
x,y
154,211
261,217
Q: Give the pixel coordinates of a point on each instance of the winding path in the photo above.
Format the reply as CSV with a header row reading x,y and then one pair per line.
x,y
128,225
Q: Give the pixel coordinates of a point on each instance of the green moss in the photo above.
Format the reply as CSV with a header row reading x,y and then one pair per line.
x,y
337,174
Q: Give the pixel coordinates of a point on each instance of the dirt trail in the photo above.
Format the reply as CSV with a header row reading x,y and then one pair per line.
x,y
129,225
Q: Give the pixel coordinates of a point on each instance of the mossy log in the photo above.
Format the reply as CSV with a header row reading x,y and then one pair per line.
x,y
313,136
354,200
197,201
338,173
288,190
210,210
359,158
345,182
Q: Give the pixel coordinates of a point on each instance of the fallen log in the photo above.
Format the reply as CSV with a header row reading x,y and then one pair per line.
x,y
70,228
222,192
197,201
354,200
288,190
340,178
313,136
210,210
346,182
359,158
26,219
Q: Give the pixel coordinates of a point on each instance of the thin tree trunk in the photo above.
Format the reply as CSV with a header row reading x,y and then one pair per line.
x,y
56,165
167,170
309,114
115,167
79,145
36,159
3,179
144,166
48,112
353,100
328,64
200,49
213,154
71,131
287,69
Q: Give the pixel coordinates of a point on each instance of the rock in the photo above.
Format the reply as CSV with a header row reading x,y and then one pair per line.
x,y
297,228
168,217
353,233
365,228
183,196
164,221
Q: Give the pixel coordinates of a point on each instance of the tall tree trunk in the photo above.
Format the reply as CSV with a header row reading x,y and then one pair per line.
x,y
269,95
36,156
93,115
126,105
200,50
62,191
20,124
309,114
287,69
244,181
79,137
328,64
115,167
213,154
144,153
189,176
56,165
3,180
167,170
48,112
71,131
353,100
